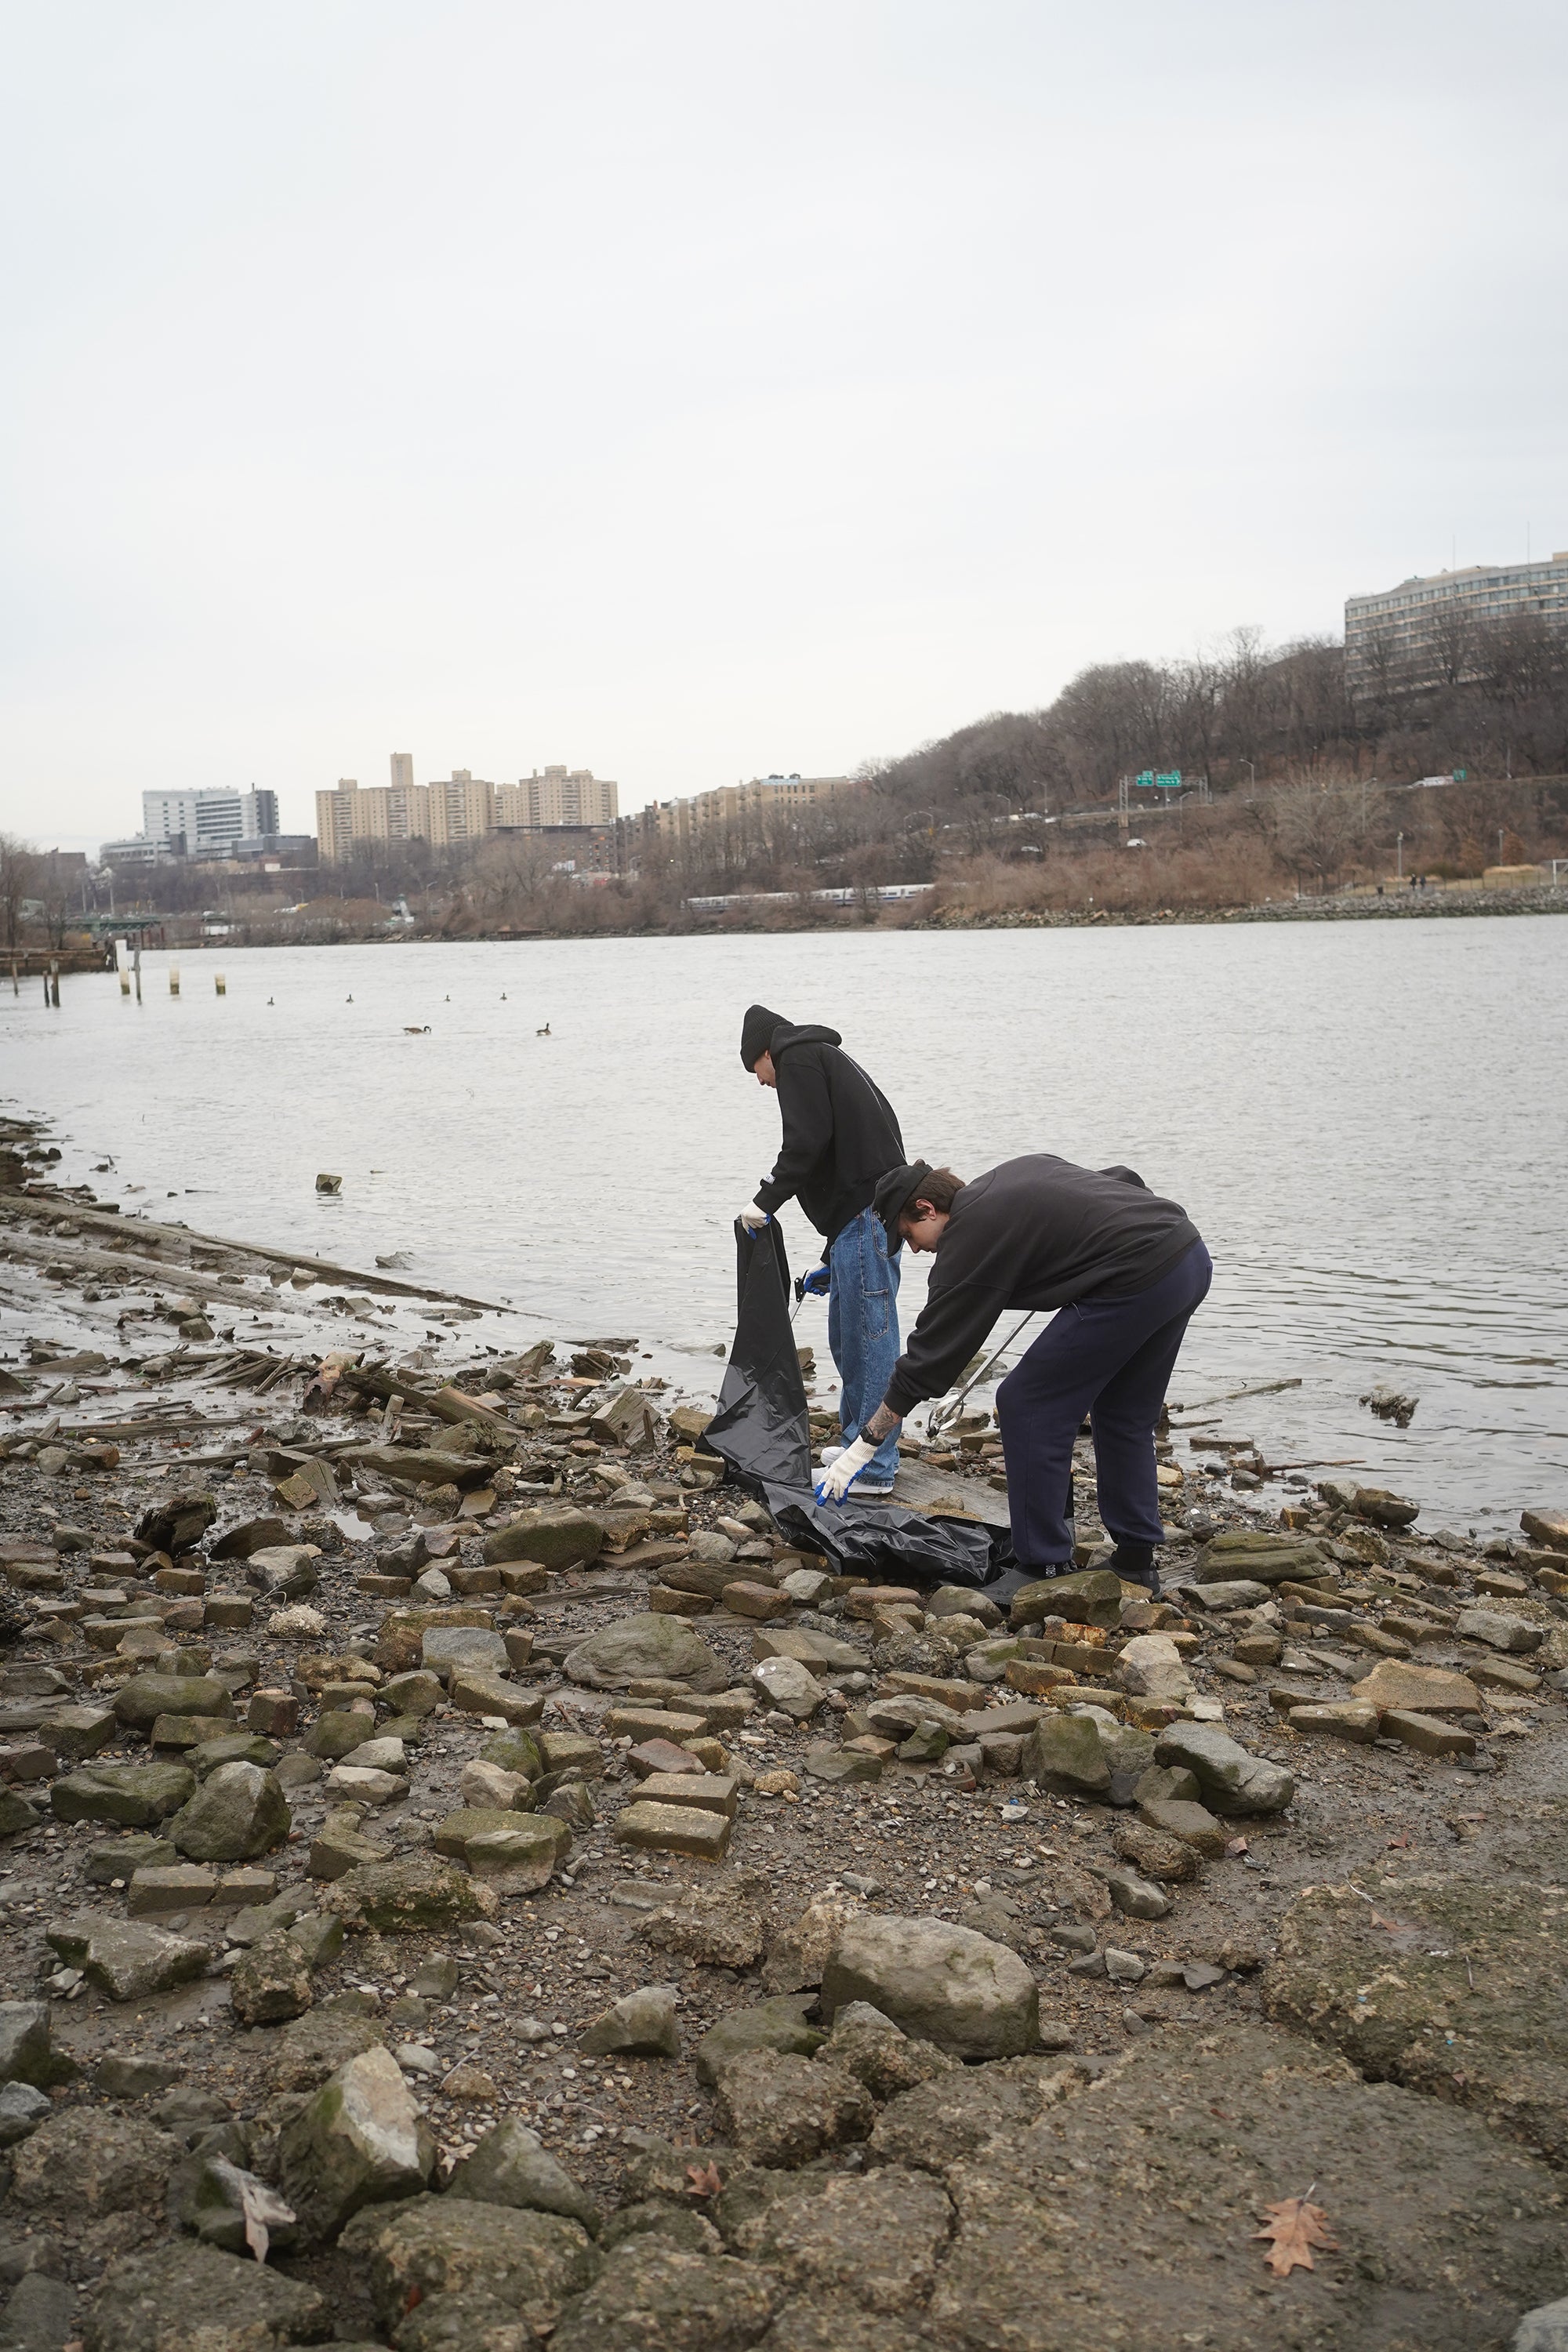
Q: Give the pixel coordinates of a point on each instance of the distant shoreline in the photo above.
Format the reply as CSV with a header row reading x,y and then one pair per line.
x,y
1411,906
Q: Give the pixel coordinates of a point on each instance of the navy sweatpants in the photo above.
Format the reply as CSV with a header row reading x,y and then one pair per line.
x,y
1110,1358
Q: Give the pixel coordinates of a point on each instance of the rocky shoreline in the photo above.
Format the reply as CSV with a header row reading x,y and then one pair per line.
x,y
1403,906
453,1845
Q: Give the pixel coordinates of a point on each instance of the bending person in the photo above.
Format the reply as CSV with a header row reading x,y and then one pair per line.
x,y
1125,1267
841,1135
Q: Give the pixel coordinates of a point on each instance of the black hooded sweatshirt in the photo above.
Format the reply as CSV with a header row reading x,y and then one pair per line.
x,y
841,1132
1034,1233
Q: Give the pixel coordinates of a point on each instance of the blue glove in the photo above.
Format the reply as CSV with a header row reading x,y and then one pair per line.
x,y
815,1285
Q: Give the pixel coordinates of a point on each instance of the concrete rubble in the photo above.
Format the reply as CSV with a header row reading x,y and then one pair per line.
x,y
455,1846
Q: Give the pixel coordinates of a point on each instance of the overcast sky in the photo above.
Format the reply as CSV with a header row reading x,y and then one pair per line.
x,y
692,390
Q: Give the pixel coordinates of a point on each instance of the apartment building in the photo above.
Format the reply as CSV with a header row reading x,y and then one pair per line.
x,y
1419,634
348,818
737,808
461,808
570,796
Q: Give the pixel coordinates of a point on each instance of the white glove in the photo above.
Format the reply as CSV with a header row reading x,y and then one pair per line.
x,y
839,1476
753,1218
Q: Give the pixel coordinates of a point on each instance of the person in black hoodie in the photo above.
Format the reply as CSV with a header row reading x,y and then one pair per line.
x,y
840,1137
1125,1267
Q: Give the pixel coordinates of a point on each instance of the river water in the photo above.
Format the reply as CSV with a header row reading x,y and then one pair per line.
x,y
1367,1122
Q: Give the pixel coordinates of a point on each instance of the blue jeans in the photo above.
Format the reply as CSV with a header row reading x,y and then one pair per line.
x,y
863,1333
1110,1358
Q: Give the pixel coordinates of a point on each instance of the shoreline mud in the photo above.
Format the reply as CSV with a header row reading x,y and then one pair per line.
x,y
447,1830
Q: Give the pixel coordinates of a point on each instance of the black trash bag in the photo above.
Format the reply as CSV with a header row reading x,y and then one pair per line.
x,y
763,1432
761,1427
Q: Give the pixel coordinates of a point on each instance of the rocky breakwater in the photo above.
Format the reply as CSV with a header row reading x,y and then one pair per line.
x,y
470,1878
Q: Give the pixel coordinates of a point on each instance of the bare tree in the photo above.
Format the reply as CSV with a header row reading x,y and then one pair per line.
x,y
1454,642
1317,827
18,880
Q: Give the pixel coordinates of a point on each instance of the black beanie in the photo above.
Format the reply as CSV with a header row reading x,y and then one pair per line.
x,y
757,1033
894,1193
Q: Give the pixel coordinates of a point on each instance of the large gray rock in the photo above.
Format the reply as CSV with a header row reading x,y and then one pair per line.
x,y
554,1538
141,1701
722,1924
185,2297
282,1572
88,2161
133,1795
1091,1597
779,2025
1498,1630
1259,1556
441,2246
239,1812
1151,1666
1064,1754
398,1896
443,1648
26,2056
940,1983
175,1522
465,2323
1232,1780
872,2240
40,2314
1544,2329
243,1537
641,2024
16,1814
360,2141
512,2166
307,2051
785,1683
126,1959
785,2111
653,2296
870,2046
271,1981
646,1646
22,2110
942,2120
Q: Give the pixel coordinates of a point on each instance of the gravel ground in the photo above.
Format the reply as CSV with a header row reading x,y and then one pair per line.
x,y
1026,1865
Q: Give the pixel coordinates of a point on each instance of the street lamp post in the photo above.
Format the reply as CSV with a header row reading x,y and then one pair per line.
x,y
1399,857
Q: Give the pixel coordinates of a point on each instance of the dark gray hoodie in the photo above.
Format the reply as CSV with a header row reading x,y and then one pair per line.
x,y
841,1132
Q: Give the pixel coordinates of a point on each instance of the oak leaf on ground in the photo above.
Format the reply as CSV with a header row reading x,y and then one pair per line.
x,y
1295,2227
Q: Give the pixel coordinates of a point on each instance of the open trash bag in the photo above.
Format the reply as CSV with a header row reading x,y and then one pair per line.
x,y
762,1429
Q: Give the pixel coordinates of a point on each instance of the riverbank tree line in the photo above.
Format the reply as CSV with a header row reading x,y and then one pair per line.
x,y
1290,782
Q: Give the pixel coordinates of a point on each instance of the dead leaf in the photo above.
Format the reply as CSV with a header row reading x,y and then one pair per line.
x,y
1296,2228
704,2179
1235,1847
262,2209
1403,1838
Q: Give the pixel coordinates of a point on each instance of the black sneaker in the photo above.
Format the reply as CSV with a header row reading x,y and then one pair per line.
x,y
1137,1567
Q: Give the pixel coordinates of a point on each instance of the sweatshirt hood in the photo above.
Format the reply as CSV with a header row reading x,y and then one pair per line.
x,y
808,1033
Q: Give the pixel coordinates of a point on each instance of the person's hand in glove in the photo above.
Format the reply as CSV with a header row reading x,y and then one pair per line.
x,y
839,1476
753,1218
815,1285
